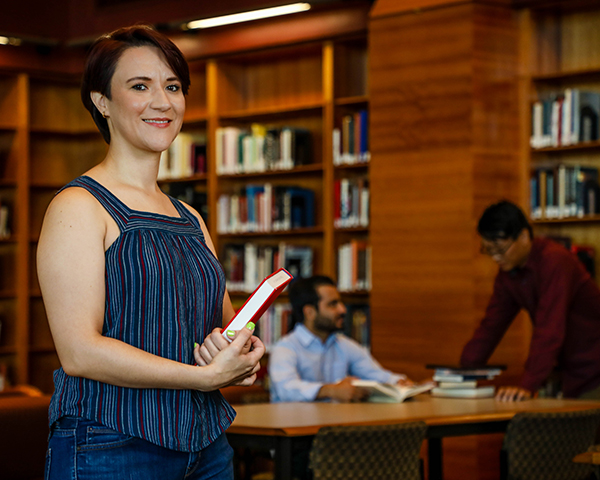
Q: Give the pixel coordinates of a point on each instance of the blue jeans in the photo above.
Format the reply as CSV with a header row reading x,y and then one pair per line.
x,y
81,449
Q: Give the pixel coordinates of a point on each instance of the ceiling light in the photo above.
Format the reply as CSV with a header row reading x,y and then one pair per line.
x,y
9,41
247,16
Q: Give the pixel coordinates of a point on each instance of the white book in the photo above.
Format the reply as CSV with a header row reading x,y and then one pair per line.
x,y
164,170
389,393
251,278
565,138
219,159
477,392
337,146
537,125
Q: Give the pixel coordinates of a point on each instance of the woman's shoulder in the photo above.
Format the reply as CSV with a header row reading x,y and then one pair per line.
x,y
73,200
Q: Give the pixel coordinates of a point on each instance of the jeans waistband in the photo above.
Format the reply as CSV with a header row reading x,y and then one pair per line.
x,y
67,422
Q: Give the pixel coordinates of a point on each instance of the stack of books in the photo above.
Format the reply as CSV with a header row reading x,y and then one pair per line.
x,y
456,382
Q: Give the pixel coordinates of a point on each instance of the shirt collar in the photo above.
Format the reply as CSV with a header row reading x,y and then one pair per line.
x,y
306,337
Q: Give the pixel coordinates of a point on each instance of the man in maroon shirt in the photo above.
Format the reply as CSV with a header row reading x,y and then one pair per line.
x,y
562,300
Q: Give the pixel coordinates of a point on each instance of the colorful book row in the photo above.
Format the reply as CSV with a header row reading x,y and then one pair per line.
x,y
351,203
184,158
354,266
274,324
351,141
564,191
265,208
357,324
261,148
247,264
565,118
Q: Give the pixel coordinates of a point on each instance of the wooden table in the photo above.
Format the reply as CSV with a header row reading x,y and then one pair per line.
x,y
285,426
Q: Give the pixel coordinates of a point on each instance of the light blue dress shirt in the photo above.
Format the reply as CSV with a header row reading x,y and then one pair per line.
x,y
300,364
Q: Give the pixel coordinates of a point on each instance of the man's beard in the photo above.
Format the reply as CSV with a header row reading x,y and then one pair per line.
x,y
327,325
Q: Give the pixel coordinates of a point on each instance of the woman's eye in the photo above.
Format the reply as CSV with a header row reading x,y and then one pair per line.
x,y
139,86
173,88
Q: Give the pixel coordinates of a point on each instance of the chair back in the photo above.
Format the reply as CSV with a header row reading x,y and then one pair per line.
x,y
542,445
375,452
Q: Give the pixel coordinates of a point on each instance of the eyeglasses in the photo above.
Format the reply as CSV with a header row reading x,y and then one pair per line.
x,y
497,251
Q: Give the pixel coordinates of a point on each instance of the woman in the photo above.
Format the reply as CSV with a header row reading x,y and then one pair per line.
x,y
131,286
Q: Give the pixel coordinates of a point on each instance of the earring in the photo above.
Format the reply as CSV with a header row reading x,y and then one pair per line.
x,y
104,115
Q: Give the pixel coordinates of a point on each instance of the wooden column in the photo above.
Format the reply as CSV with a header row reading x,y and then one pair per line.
x,y
445,144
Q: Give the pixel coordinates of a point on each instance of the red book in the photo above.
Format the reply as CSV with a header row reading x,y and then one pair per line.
x,y
259,301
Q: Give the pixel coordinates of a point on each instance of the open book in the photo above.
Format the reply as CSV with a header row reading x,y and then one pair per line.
x,y
388,393
259,301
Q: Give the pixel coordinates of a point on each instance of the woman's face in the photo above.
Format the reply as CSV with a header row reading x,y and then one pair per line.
x,y
147,105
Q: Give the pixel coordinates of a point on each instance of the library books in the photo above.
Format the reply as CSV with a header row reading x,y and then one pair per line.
x,y
388,393
185,157
274,324
457,382
565,118
351,141
357,323
564,191
247,264
261,148
448,373
259,301
354,266
351,203
265,208
467,392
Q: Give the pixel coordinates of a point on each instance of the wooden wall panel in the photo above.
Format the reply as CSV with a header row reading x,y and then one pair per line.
x,y
421,184
445,143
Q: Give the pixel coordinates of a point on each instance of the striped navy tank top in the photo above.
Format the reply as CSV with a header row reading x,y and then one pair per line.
x,y
164,292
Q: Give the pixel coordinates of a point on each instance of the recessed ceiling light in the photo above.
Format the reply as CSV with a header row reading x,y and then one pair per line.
x,y
9,40
247,16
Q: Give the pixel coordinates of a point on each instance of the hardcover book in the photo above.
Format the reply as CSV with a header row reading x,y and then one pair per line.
x,y
259,301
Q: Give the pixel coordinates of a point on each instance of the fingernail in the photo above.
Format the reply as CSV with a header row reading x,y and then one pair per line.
x,y
250,325
230,333
195,345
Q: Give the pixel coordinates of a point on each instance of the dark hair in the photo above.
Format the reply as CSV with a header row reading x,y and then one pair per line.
x,y
104,55
303,291
503,220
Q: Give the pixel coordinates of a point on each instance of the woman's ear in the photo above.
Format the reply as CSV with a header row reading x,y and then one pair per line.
x,y
100,101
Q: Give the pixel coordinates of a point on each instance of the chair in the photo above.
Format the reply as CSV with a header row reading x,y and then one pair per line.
x,y
542,445
383,452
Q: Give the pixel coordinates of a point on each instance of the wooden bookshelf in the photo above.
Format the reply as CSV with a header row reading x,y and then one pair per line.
x,y
562,46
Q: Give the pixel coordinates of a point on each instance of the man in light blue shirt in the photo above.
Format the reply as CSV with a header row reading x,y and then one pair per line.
x,y
315,361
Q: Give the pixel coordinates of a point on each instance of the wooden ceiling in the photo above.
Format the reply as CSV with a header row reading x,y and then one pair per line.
x,y
78,21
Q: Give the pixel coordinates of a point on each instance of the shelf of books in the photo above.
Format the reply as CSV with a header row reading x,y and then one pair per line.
x,y
351,194
565,131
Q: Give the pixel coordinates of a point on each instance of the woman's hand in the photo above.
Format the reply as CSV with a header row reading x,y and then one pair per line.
x,y
234,363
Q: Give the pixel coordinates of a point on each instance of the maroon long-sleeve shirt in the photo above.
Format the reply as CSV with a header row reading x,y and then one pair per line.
x,y
563,302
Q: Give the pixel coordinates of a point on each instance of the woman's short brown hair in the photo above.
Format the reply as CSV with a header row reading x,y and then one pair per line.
x,y
104,55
